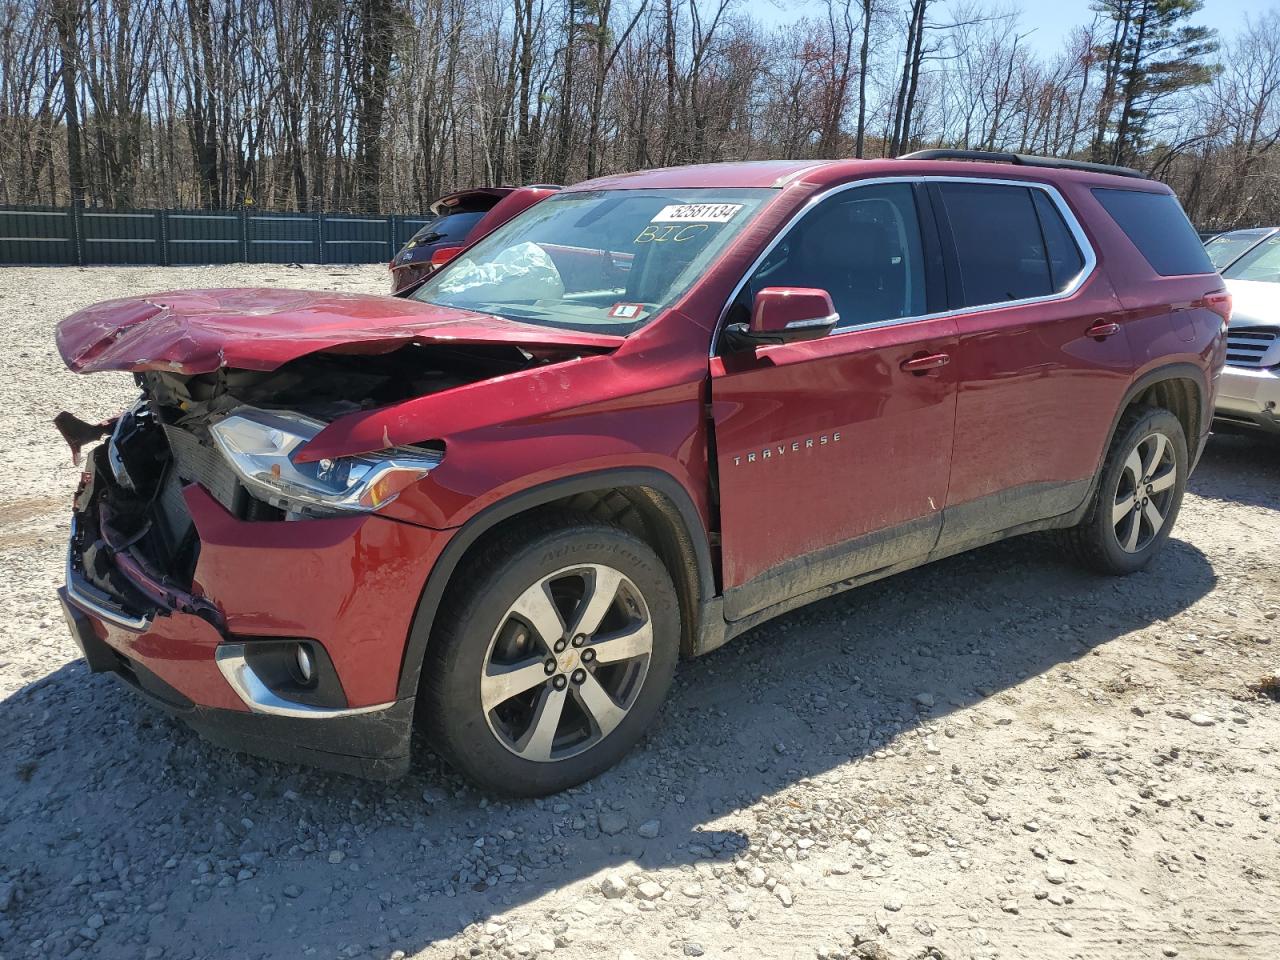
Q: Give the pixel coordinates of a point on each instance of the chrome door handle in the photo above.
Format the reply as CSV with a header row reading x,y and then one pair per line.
x,y
922,365
1102,329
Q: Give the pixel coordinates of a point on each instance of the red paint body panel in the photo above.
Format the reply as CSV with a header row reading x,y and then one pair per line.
x,y
1037,395
199,331
177,648
888,467
351,583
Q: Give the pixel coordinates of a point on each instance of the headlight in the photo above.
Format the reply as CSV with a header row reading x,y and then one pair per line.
x,y
260,446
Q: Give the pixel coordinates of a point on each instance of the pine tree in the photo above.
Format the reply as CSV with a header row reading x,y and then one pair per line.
x,y
1153,54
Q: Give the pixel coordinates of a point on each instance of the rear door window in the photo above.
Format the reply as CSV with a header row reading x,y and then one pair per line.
x,y
1159,229
999,244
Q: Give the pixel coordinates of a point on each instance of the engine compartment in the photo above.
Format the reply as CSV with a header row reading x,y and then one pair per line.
x,y
331,384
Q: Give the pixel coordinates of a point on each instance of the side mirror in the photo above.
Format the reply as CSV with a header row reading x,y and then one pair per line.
x,y
787,315
442,255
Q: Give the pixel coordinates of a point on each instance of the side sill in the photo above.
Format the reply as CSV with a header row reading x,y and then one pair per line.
x,y
716,634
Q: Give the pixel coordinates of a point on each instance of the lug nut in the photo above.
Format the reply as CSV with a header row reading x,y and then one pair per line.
x,y
588,655
579,675
559,682
559,648
579,640
549,666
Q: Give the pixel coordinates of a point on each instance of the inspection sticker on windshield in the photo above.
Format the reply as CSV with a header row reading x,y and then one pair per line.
x,y
626,311
697,213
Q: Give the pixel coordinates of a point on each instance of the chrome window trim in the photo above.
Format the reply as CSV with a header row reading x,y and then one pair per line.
x,y
1059,202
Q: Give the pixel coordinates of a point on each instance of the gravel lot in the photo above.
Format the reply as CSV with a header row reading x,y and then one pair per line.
x,y
998,755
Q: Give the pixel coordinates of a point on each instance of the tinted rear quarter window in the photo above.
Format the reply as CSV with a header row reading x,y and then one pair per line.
x,y
1158,228
1065,259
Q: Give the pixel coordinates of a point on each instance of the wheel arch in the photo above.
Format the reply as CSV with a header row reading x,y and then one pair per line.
x,y
1181,389
649,502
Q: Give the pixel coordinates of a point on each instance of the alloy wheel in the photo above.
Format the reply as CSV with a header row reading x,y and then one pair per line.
x,y
1144,492
566,662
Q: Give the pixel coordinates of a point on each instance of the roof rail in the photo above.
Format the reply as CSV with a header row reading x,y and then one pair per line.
x,y
1025,160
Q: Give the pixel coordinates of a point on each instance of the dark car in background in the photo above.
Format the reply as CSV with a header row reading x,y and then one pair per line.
x,y
454,221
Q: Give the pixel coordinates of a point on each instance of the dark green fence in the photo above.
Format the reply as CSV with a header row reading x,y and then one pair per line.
x,y
87,236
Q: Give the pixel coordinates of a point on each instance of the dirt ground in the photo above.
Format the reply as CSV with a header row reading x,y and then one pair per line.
x,y
995,756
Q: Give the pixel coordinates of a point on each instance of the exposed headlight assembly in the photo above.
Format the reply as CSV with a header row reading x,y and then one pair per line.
x,y
260,446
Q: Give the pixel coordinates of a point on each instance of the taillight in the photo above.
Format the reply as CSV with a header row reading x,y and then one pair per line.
x,y
1220,303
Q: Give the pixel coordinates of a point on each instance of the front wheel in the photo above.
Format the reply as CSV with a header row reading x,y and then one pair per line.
x,y
551,655
1138,495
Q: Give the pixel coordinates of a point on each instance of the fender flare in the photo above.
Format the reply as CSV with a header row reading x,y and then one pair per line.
x,y
485,520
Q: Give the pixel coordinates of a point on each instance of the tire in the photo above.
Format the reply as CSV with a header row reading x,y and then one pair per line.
x,y
1119,541
504,666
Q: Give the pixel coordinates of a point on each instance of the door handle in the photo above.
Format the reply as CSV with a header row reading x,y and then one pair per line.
x,y
1102,329
922,365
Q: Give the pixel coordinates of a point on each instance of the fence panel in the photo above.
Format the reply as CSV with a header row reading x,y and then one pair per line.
x,y
350,238
406,227
204,236
120,237
52,236
283,237
38,235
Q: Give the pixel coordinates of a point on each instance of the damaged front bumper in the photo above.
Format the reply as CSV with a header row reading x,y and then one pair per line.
x,y
209,645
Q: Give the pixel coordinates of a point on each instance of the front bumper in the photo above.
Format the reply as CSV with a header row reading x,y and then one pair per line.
x,y
1249,397
349,586
372,744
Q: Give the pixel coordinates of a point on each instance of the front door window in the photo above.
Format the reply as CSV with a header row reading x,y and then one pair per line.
x,y
863,247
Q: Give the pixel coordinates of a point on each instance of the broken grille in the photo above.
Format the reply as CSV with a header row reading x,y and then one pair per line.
x,y
197,463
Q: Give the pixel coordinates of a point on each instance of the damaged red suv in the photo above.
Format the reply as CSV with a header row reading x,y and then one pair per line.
x,y
643,416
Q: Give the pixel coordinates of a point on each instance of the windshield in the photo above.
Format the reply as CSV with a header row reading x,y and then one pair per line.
x,y
1225,247
1260,263
604,261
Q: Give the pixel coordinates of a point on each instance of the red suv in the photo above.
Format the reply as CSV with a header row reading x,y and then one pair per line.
x,y
645,415
456,220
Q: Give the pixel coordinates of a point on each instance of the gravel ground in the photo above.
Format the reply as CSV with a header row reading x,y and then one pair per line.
x,y
995,756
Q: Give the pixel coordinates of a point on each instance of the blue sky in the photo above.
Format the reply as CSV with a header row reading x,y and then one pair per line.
x,y
1049,19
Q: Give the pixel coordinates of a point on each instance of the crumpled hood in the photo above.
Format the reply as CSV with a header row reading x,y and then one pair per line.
x,y
199,331
1254,303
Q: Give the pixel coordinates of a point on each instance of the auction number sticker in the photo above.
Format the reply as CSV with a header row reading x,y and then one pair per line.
x,y
697,213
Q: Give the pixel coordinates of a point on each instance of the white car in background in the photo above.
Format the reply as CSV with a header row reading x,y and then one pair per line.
x,y
1226,248
1249,391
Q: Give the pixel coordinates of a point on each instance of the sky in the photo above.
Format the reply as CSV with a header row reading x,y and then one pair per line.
x,y
1048,20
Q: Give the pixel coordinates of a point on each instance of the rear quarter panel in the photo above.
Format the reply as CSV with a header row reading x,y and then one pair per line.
x,y
1167,320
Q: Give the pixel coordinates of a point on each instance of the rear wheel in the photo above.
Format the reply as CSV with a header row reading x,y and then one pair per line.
x,y
1138,495
551,656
